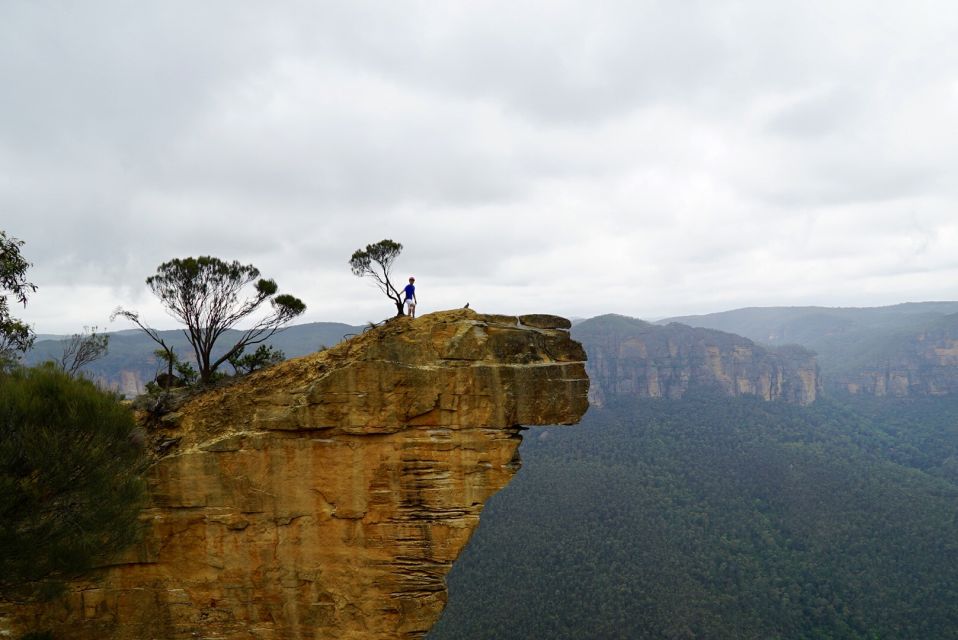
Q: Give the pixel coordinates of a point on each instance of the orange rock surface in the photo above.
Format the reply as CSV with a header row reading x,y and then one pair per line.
x,y
630,357
328,496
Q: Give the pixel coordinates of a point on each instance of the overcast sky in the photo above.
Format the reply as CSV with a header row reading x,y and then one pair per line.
x,y
578,158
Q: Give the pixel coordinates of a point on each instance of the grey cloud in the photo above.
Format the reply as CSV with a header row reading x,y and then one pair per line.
x,y
562,62
823,113
586,156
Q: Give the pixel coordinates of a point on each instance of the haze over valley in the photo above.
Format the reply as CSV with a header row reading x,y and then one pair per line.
x,y
293,296
754,473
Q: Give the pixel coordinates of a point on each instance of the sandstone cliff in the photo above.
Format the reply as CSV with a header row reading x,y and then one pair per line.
x,y
636,358
923,363
901,350
327,497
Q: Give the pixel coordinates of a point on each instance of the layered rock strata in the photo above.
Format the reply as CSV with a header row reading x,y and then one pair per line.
x,y
629,357
328,496
923,364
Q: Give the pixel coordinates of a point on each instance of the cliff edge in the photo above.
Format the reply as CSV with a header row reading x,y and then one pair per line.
x,y
919,363
327,497
629,357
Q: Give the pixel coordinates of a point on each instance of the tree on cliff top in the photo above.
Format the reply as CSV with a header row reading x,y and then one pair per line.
x,y
15,336
205,294
70,479
376,261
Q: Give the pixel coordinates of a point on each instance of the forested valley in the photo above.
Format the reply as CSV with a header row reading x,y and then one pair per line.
x,y
717,517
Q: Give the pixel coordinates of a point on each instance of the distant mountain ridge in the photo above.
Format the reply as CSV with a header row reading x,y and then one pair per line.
x,y
631,357
900,350
130,363
781,325
909,349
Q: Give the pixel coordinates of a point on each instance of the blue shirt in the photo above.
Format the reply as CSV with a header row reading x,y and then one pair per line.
x,y
410,292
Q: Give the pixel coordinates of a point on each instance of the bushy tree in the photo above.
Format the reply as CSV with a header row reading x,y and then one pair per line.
x,y
186,374
207,295
70,478
264,356
15,336
375,262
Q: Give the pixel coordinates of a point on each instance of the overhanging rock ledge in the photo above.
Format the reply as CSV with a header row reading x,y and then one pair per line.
x,y
327,497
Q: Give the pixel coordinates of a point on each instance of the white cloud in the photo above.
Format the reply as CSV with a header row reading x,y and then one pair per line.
x,y
647,158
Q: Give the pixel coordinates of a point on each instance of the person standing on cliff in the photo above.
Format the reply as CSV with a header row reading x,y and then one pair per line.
x,y
410,297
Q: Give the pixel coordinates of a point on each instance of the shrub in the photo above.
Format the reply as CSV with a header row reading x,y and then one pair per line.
x,y
70,479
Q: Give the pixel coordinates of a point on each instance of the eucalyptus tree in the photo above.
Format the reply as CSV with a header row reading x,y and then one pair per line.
x,y
376,262
211,297
15,335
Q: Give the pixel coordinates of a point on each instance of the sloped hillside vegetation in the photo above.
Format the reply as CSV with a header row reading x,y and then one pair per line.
x,y
714,517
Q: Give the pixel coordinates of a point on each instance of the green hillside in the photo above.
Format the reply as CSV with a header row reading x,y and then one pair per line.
x,y
846,339
132,350
722,518
812,325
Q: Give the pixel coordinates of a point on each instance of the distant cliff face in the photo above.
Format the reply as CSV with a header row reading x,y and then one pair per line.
x,y
636,358
901,350
923,364
326,497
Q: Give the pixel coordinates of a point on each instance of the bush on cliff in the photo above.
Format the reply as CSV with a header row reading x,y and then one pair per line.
x,y
70,479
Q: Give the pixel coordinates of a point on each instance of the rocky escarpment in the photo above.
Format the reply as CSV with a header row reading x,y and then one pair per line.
x,y
901,350
635,358
924,363
327,497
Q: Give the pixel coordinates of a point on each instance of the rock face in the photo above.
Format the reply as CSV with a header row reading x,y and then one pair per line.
x,y
636,358
328,496
920,364
902,350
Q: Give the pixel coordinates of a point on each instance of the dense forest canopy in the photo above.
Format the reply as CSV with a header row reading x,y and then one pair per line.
x,y
714,517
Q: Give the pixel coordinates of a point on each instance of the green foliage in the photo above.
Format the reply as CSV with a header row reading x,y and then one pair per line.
x,y
38,635
376,262
15,336
291,304
186,371
70,484
721,518
206,294
264,356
